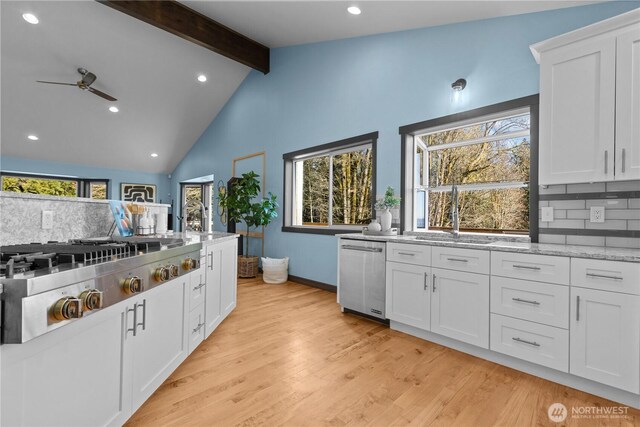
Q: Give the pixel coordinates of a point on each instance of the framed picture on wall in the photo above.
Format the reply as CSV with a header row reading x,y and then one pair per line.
x,y
138,192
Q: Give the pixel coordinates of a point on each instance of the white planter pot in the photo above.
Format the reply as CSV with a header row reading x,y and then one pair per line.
x,y
385,220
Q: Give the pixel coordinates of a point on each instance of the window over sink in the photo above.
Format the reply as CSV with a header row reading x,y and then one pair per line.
x,y
54,185
330,188
489,154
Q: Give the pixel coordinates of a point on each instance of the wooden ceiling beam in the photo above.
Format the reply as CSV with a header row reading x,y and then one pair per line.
x,y
184,22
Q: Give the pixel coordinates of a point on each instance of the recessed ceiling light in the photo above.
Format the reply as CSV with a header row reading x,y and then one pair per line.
x,y
202,78
354,10
33,137
113,109
30,18
154,154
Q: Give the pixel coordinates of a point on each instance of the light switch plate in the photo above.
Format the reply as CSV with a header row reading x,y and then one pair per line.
x,y
547,214
597,214
47,220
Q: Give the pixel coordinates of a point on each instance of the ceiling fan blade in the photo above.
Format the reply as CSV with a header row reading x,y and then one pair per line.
x,y
101,94
57,83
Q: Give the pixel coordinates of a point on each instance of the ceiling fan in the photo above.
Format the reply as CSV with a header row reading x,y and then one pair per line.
x,y
85,84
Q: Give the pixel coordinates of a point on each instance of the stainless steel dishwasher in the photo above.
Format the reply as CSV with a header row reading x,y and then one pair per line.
x,y
361,285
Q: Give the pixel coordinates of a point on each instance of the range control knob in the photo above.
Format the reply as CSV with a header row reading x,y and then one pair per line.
x,y
67,308
91,299
174,271
189,264
161,274
132,285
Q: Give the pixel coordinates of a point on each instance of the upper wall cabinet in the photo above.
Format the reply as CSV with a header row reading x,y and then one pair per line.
x,y
590,103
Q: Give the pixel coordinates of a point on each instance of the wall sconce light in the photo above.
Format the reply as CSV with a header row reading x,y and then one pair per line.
x,y
459,85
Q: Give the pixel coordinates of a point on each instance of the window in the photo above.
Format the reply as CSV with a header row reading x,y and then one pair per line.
x,y
197,192
487,154
54,185
330,188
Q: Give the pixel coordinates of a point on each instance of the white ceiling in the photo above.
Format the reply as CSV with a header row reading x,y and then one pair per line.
x,y
286,23
163,109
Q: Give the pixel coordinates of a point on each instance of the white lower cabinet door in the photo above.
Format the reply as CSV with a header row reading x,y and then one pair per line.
x,y
541,344
605,337
68,377
213,310
161,340
229,276
408,294
460,306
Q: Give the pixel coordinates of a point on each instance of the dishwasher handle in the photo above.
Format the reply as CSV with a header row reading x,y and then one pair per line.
x,y
361,248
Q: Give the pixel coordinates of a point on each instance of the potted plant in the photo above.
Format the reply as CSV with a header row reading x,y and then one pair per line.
x,y
242,206
389,201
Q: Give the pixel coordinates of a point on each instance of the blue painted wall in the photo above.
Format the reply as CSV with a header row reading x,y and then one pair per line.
x,y
323,92
117,176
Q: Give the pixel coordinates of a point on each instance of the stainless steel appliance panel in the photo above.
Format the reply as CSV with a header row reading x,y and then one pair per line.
x,y
362,276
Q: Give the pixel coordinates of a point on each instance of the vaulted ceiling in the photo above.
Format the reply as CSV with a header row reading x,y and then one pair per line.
x,y
163,109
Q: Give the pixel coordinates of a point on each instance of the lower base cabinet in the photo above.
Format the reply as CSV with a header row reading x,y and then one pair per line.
x,y
460,306
222,282
605,337
408,294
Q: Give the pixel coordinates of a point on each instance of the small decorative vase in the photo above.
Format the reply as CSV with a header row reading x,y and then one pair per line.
x,y
374,225
385,220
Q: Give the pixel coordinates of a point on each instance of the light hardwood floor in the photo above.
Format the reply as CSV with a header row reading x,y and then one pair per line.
x,y
288,356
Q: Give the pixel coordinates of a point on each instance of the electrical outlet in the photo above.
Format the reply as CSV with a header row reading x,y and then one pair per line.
x,y
47,220
597,214
547,214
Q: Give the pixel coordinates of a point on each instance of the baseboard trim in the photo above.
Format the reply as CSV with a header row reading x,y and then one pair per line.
x,y
313,283
549,374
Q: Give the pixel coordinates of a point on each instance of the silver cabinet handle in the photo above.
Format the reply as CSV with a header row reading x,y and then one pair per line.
x,y
457,259
577,308
526,301
623,159
133,310
425,280
533,343
406,253
211,260
434,283
197,328
195,288
602,276
606,161
526,267
361,248
144,315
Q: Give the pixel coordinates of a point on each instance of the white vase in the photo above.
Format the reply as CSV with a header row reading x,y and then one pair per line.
x,y
374,225
385,220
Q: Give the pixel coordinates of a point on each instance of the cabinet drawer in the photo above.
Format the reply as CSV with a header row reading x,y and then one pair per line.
x,y
409,254
541,268
197,287
470,260
541,344
196,327
606,275
534,301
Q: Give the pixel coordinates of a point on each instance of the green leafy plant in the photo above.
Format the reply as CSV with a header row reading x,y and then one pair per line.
x,y
388,201
242,206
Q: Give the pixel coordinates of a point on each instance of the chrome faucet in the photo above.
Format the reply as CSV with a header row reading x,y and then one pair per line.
x,y
203,210
455,215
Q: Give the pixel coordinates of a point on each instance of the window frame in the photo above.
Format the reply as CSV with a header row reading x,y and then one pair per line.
x,y
83,185
410,133
206,192
330,149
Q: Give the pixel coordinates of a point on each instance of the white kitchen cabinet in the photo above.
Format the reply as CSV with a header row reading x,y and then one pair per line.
x,y
69,377
628,104
408,294
605,337
460,306
221,276
160,342
198,287
590,103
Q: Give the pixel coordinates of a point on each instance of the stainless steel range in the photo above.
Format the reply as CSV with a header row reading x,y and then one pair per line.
x,y
47,286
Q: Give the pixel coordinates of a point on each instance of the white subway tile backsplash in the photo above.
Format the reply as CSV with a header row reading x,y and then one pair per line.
x,y
633,224
623,242
608,224
586,240
623,186
558,239
567,204
578,214
608,203
634,203
622,213
596,187
568,223
553,189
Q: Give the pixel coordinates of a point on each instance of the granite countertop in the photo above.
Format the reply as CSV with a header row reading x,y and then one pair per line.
x,y
191,237
467,242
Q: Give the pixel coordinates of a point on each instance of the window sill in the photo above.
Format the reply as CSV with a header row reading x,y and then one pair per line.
x,y
320,230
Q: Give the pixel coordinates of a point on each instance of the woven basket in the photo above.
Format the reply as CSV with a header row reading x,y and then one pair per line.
x,y
247,266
